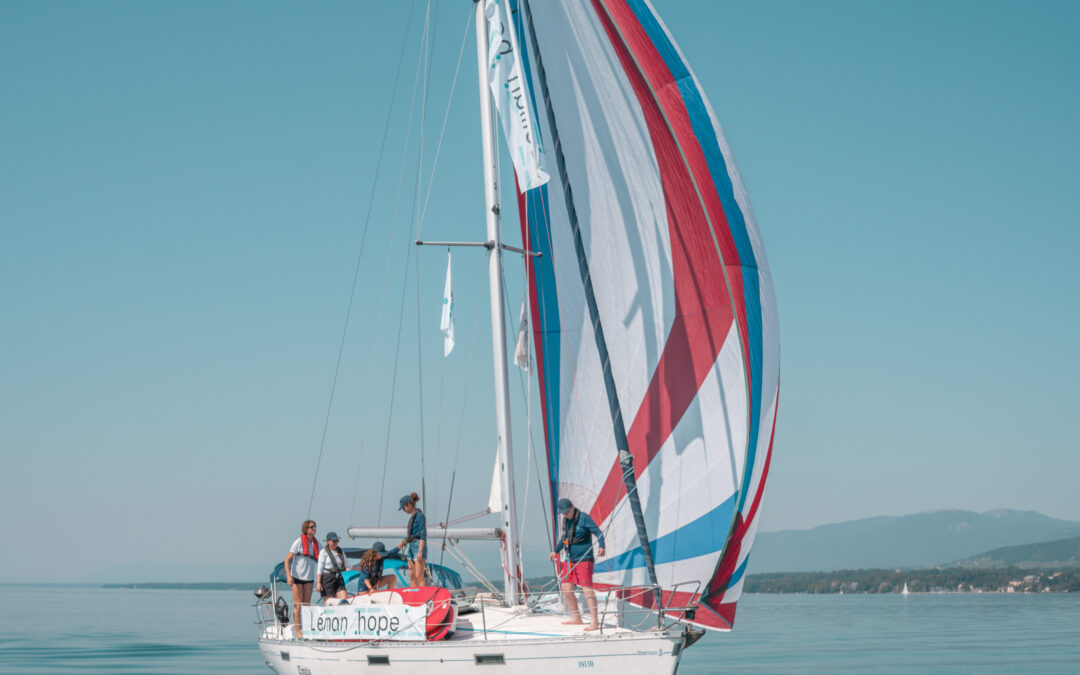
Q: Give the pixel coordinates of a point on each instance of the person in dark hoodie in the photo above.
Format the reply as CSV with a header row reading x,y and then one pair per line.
x,y
577,570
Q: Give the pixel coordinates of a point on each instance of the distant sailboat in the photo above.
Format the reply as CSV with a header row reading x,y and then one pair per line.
x,y
905,591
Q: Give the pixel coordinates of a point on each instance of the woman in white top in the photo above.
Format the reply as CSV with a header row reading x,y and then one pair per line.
x,y
331,564
300,569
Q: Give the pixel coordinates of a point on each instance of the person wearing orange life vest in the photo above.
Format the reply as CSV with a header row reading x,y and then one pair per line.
x,y
577,533
300,566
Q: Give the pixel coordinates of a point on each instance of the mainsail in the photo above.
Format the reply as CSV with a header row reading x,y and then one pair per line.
x,y
683,300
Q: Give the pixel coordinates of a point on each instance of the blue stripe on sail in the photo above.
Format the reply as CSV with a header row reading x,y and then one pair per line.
x,y
537,210
547,301
703,129
699,537
738,573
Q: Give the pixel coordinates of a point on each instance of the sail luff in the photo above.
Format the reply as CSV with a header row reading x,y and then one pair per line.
x,y
626,459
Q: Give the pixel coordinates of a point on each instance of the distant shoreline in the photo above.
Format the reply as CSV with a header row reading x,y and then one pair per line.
x,y
155,586
934,580
195,586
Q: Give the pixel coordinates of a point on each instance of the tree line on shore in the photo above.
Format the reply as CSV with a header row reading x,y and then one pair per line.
x,y
932,580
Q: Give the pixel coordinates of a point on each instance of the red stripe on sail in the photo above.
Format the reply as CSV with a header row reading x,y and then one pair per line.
x,y
703,313
729,563
664,86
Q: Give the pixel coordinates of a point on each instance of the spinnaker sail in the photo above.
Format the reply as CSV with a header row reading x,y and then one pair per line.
x,y
683,297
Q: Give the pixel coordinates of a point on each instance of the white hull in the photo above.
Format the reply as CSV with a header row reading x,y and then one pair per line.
x,y
517,642
612,654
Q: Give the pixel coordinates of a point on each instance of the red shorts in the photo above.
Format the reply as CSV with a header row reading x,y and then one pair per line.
x,y
579,574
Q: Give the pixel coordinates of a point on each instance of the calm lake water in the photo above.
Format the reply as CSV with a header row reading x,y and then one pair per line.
x,y
89,630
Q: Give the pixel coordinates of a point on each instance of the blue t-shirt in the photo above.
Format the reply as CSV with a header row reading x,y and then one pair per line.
x,y
583,531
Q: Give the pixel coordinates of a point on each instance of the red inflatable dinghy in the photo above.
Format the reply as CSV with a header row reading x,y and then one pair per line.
x,y
442,613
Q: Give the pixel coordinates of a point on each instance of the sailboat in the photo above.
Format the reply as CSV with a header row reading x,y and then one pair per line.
x,y
652,317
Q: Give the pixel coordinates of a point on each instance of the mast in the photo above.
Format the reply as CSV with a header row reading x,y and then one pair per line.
x,y
498,318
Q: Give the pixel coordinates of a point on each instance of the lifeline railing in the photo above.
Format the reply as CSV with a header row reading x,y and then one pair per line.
x,y
624,597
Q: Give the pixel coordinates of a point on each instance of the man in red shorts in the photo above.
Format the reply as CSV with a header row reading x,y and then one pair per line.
x,y
577,570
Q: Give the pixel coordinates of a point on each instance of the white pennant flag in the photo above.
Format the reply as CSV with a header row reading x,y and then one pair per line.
x,y
521,351
510,93
447,323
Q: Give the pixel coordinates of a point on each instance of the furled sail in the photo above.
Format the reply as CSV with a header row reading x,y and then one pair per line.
x,y
684,304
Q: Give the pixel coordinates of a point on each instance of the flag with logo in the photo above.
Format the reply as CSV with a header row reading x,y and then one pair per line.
x,y
447,323
510,93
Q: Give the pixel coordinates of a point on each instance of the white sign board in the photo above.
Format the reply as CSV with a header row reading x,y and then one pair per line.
x,y
364,622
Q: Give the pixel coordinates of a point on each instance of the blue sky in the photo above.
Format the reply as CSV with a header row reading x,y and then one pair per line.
x,y
183,195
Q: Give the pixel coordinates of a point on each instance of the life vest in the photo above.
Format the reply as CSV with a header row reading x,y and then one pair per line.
x,y
570,533
409,536
335,559
309,547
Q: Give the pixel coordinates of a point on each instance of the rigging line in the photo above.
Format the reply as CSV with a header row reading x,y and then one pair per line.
x,y
356,270
426,58
393,385
522,377
526,243
417,213
405,278
461,420
438,432
446,117
419,227
382,146
420,383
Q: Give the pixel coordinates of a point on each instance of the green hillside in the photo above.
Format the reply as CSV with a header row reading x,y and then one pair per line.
x,y
1057,553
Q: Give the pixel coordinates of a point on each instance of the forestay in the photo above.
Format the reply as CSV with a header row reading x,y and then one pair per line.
x,y
683,293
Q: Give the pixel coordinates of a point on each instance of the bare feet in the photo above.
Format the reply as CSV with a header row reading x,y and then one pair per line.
x,y
573,622
591,627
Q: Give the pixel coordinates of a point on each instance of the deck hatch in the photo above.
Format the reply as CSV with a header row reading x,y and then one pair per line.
x,y
490,659
285,656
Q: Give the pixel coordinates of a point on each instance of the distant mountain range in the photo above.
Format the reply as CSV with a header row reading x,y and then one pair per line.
x,y
1057,553
891,542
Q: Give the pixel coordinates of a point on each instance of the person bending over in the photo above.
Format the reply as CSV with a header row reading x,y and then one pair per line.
x,y
371,570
